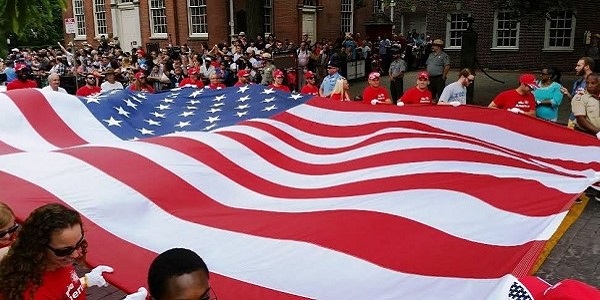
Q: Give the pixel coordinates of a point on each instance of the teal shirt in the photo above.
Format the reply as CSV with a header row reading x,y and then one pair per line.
x,y
552,93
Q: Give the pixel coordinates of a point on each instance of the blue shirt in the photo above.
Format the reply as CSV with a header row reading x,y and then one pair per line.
x,y
10,74
329,83
552,93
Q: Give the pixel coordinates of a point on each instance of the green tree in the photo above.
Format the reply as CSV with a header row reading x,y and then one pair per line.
x,y
17,15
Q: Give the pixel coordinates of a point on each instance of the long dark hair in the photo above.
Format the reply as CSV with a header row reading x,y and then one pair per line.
x,y
26,260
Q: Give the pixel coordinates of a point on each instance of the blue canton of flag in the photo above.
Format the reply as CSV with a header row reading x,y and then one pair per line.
x,y
133,115
518,292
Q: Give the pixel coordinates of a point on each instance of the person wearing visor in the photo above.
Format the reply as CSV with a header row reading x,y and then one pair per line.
x,y
8,228
39,264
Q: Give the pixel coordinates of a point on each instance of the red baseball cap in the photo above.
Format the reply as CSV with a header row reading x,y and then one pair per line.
x,y
571,289
140,51
277,73
243,73
309,75
568,289
192,71
139,75
374,75
20,66
529,80
423,75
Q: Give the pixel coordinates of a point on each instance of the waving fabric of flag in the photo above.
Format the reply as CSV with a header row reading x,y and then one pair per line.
x,y
292,198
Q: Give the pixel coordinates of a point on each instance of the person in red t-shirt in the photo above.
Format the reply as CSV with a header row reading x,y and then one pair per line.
x,y
310,88
193,80
215,82
519,100
39,264
418,94
243,78
140,83
90,88
374,93
278,82
22,81
341,90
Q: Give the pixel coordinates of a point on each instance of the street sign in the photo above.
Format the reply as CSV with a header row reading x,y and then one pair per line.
x,y
70,26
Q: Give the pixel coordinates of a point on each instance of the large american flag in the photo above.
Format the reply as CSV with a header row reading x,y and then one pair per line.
x,y
326,200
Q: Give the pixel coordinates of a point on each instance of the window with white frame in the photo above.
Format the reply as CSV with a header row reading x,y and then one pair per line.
x,y
457,24
346,17
79,16
268,9
197,18
506,30
100,17
560,30
158,18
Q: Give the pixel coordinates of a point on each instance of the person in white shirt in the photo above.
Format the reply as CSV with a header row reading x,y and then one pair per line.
x,y
110,83
54,84
455,94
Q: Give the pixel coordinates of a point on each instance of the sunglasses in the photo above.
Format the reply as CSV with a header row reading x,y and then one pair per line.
x,y
91,78
9,231
470,80
209,294
62,252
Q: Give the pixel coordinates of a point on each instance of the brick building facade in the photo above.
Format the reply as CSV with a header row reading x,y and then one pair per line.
x,y
503,43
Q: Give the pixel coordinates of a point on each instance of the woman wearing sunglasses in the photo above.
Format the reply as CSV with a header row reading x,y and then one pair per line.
x,y
39,264
8,228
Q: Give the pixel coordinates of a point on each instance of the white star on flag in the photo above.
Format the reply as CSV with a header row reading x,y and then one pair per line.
x,y
122,111
113,122
268,100
152,122
186,114
270,108
145,131
268,91
158,115
243,89
183,124
130,103
213,119
244,99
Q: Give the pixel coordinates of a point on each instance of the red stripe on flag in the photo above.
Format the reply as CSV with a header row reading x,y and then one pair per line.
x,y
410,246
365,129
129,261
472,114
8,149
483,187
42,117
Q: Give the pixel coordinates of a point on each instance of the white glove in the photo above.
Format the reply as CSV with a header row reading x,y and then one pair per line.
x,y
455,104
374,101
95,278
400,103
516,110
598,135
141,294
